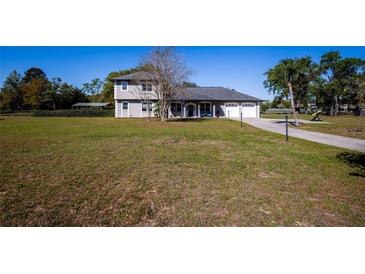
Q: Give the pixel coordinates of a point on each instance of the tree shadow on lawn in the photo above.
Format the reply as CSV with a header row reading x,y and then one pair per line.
x,y
355,160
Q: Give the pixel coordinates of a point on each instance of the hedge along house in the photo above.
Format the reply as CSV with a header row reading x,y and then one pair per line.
x,y
135,97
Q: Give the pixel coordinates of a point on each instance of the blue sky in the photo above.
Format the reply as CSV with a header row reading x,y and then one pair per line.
x,y
241,68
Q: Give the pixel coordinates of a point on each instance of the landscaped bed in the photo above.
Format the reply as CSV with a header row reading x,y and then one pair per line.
x,y
344,125
209,172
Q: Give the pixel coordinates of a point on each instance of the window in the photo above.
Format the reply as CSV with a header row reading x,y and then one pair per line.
x,y
147,106
205,107
176,107
124,85
125,105
231,105
146,87
248,105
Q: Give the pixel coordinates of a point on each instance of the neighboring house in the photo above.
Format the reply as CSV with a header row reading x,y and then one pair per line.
x,y
134,97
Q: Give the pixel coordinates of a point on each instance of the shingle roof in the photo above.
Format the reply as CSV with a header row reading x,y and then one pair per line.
x,y
196,93
214,93
90,104
139,75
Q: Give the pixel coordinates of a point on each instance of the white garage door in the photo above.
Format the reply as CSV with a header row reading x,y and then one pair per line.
x,y
249,110
232,110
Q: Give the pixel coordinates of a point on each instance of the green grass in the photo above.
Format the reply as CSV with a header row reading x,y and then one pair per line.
x,y
344,125
114,172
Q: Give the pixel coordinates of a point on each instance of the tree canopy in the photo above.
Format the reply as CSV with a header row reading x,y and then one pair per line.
x,y
333,81
169,72
34,90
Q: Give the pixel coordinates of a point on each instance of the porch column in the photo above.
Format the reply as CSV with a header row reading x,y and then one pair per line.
x,y
198,110
184,111
214,110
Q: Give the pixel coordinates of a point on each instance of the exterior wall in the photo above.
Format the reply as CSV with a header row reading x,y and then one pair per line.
x,y
133,95
133,92
116,113
134,109
145,113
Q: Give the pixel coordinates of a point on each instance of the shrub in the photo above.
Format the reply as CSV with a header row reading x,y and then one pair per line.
x,y
75,113
9,112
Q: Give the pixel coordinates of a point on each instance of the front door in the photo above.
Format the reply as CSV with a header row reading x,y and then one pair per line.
x,y
190,111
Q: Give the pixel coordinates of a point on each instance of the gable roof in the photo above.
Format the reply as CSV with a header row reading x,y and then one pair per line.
x,y
213,93
139,75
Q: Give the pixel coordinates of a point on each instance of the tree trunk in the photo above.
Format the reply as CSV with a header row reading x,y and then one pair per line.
x,y
163,112
336,107
148,111
292,103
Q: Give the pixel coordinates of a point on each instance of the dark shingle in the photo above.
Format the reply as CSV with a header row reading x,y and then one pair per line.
x,y
139,75
196,93
215,94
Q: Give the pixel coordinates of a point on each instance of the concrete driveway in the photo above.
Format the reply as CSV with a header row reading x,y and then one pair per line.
x,y
278,126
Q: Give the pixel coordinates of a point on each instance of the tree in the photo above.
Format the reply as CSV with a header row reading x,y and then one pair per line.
x,y
292,78
11,93
265,105
52,94
34,86
360,98
339,81
69,95
93,89
33,73
35,91
168,72
189,85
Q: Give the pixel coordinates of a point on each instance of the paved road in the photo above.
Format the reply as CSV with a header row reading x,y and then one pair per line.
x,y
327,139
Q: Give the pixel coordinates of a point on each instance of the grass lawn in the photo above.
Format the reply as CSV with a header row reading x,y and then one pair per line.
x,y
344,125
114,172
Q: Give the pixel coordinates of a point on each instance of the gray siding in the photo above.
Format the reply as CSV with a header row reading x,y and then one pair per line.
x,y
134,92
134,109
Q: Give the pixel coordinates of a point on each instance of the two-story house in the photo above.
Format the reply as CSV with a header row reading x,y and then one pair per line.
x,y
134,97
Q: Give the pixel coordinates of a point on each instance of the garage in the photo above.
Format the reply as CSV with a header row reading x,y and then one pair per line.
x,y
232,110
249,110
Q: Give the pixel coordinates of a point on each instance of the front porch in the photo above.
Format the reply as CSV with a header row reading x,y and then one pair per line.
x,y
192,109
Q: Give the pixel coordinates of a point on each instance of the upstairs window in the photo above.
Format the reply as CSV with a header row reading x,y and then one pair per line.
x,y
124,85
146,87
